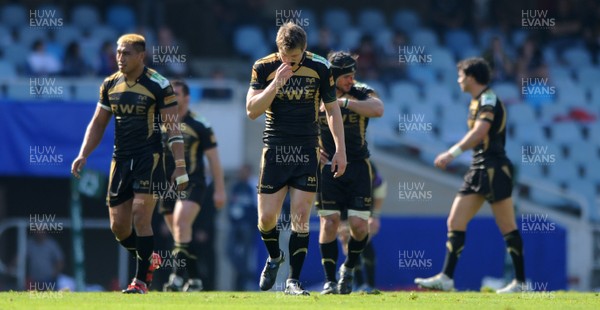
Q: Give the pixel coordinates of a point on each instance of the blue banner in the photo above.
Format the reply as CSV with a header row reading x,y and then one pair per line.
x,y
43,138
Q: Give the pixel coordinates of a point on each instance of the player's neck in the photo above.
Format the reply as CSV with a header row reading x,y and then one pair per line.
x,y
476,90
133,76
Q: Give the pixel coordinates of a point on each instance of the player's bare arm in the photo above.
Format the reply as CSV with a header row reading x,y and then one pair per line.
x,y
469,141
176,144
371,107
259,100
93,136
336,125
216,170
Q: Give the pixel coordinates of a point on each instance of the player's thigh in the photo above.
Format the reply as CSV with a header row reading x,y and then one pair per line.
x,y
463,210
143,206
301,202
504,213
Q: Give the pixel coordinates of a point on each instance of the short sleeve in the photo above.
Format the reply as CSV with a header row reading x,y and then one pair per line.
x,y
103,101
327,88
258,80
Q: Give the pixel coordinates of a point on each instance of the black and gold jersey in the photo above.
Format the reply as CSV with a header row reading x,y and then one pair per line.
x,y
292,117
488,107
198,137
355,126
136,109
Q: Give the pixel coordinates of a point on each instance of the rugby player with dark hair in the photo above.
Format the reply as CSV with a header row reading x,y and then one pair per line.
x,y
288,87
351,193
489,178
139,98
180,210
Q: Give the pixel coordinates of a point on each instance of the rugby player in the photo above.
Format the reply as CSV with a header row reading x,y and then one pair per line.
x,y
288,87
351,193
489,177
139,98
180,209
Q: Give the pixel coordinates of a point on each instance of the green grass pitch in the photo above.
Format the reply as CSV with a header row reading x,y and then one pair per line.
x,y
272,300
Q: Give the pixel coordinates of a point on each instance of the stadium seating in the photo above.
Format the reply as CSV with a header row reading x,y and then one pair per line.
x,y
14,16
371,20
85,17
336,20
121,17
406,21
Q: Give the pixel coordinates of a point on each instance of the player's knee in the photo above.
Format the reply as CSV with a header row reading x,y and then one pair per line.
x,y
267,221
330,224
120,230
359,227
506,227
454,223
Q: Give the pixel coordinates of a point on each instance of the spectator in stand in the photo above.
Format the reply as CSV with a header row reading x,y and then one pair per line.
x,y
73,62
108,62
367,67
502,65
325,43
41,62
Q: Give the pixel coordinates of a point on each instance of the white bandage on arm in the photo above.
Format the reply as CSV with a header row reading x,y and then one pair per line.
x,y
455,151
182,179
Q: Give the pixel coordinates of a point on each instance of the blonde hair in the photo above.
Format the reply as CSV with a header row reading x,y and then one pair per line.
x,y
137,41
290,36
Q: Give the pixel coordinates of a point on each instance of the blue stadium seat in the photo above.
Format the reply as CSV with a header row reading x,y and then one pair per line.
x,y
457,40
549,112
530,171
582,151
28,35
85,17
588,77
404,93
566,132
437,93
577,57
104,33
250,40
530,134
350,39
371,20
406,21
563,172
378,87
442,59
19,91
517,37
422,74
507,92
5,37
383,37
452,129
67,34
310,17
121,17
550,57
468,52
337,20
56,12
14,16
7,70
17,54
571,95
595,96
520,113
486,35
424,37
588,192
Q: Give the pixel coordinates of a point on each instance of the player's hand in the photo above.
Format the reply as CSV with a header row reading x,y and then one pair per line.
x,y
282,75
77,165
323,156
442,160
179,171
374,224
219,197
338,164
